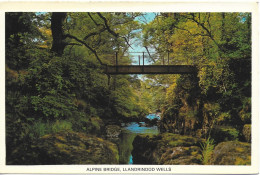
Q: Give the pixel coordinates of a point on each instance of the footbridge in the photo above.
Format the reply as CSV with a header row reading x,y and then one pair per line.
x,y
150,69
166,66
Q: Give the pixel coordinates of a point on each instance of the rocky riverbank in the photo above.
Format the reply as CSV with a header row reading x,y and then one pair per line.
x,y
166,148
149,147
174,149
70,148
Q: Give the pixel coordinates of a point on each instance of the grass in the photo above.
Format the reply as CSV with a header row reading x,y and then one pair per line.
x,y
40,128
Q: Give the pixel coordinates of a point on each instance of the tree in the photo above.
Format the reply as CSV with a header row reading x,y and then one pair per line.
x,y
57,23
218,44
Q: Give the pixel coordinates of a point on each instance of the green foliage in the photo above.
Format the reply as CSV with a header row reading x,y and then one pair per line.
x,y
245,112
219,44
46,93
224,133
40,128
207,148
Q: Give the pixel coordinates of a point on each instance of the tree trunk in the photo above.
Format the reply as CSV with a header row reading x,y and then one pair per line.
x,y
58,43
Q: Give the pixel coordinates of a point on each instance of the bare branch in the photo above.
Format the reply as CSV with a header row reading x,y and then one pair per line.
x,y
94,33
127,42
149,53
85,44
196,34
203,26
209,20
106,24
111,31
93,19
209,34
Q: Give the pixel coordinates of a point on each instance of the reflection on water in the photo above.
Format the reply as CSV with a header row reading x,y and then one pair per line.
x,y
129,131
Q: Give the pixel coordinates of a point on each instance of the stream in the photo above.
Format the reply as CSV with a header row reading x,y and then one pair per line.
x,y
129,132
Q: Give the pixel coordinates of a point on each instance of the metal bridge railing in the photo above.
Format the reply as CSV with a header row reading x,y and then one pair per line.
x,y
145,58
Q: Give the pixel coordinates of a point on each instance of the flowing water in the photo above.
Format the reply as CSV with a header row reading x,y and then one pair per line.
x,y
129,132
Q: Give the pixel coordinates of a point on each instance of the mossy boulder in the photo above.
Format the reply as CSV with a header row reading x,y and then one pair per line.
x,y
181,156
174,140
166,148
232,153
113,131
247,132
75,148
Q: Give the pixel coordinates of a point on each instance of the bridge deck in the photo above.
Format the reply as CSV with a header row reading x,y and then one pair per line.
x,y
150,69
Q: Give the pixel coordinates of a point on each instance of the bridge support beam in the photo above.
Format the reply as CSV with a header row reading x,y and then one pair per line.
x,y
151,69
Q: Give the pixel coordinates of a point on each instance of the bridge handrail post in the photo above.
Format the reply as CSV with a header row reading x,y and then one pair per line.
x,y
143,58
143,63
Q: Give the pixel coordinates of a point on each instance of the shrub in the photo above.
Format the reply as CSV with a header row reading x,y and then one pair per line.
x,y
41,128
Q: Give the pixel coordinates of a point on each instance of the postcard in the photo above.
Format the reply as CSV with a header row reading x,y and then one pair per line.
x,y
129,88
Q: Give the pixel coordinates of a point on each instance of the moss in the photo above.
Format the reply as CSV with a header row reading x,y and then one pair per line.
x,y
232,153
239,149
113,131
75,148
240,161
194,153
181,156
114,151
179,140
62,147
61,138
247,132
166,148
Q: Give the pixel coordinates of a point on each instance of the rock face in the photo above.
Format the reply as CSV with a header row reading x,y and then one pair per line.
x,y
75,148
181,156
165,149
232,153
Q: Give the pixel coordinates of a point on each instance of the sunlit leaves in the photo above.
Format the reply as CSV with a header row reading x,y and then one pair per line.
x,y
219,44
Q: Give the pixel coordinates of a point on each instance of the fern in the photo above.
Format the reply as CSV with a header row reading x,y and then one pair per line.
x,y
207,150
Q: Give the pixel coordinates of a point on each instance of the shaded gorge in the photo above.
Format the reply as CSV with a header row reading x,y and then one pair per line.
x,y
129,132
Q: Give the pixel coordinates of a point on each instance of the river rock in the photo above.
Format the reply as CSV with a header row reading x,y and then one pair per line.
x,y
166,148
232,153
75,148
247,132
113,131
